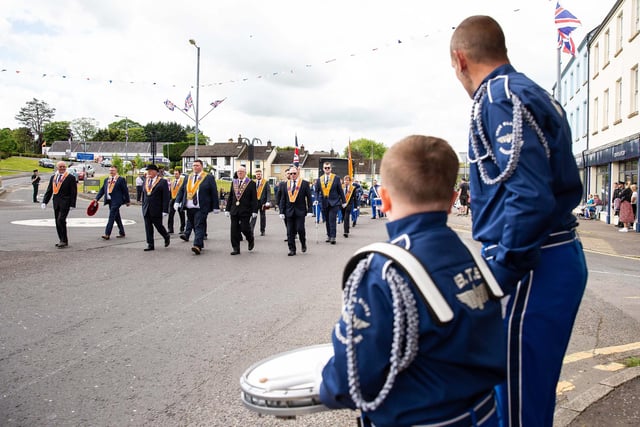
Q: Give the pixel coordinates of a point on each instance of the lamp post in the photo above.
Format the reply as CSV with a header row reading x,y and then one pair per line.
x,y
250,144
126,137
193,42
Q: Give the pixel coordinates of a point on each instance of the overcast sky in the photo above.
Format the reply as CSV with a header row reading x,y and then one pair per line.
x,y
328,71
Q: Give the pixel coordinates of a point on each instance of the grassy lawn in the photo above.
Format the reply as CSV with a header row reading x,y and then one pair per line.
x,y
14,165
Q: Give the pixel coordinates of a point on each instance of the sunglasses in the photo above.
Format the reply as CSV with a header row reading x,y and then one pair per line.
x,y
327,168
294,173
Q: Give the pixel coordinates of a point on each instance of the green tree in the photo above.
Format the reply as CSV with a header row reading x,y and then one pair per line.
x,y
34,116
106,134
166,132
56,131
174,152
7,141
361,148
84,128
135,135
23,138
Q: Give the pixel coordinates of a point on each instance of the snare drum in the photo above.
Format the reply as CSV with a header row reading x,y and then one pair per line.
x,y
284,385
377,201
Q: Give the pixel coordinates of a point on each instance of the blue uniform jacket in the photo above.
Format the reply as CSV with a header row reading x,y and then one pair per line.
x,y
457,362
518,214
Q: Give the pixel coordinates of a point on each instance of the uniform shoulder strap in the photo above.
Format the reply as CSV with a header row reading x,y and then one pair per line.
x,y
438,307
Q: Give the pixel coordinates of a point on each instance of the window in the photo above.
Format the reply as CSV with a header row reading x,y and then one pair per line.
x,y
618,105
602,183
585,118
227,161
572,84
596,109
628,171
607,41
585,69
633,83
577,133
635,18
605,109
619,33
596,59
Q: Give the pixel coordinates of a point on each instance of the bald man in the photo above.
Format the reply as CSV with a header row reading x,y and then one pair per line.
x,y
64,191
524,186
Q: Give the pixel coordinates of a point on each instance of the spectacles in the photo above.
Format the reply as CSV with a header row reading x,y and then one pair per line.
x,y
294,173
327,167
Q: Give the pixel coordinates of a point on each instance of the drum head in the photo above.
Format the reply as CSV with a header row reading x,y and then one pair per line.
x,y
284,384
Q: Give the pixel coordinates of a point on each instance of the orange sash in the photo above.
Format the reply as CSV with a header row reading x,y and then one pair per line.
x,y
112,183
175,186
348,193
149,188
293,195
260,188
58,182
192,188
326,187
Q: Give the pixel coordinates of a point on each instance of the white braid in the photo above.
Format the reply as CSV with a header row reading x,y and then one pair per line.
x,y
519,111
404,344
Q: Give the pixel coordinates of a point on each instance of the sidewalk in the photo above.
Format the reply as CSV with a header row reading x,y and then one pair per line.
x,y
614,401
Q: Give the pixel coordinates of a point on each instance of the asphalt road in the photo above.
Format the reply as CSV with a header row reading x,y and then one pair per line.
x,y
103,333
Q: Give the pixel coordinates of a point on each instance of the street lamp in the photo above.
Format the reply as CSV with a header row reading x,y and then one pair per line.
x,y
193,42
126,137
250,144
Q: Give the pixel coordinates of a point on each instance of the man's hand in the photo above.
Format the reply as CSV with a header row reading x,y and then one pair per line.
x,y
281,215
165,213
344,205
176,206
43,206
315,203
254,215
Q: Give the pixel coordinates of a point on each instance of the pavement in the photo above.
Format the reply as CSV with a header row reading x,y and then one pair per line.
x,y
615,399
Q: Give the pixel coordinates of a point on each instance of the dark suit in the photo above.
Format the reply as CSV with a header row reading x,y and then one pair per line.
x,y
240,211
204,201
174,188
62,202
154,204
295,212
351,204
331,204
262,200
119,196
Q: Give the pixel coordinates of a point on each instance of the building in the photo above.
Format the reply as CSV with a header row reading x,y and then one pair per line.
x,y
104,149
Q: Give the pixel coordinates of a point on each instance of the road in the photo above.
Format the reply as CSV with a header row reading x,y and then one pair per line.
x,y
103,333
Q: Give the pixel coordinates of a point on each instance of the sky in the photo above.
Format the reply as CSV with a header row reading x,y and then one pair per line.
x,y
328,72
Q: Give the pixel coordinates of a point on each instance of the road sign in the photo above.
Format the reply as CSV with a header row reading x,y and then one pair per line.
x,y
84,156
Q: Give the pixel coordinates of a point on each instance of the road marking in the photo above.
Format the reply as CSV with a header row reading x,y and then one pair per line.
x,y
71,222
582,355
610,367
563,386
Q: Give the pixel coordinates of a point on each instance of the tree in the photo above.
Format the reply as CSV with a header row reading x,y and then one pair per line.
x,y
107,134
56,131
7,141
84,128
24,139
34,116
167,132
361,149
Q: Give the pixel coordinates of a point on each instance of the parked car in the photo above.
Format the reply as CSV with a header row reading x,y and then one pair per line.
x,y
46,163
85,170
105,163
73,172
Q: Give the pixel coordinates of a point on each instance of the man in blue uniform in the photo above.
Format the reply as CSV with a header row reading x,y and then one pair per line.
x,y
454,363
524,186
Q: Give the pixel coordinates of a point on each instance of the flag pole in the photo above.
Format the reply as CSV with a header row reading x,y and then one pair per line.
x,y
558,87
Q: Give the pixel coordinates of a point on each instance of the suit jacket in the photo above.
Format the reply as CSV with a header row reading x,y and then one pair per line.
x,y
266,192
119,194
156,203
301,206
207,194
67,194
248,201
336,194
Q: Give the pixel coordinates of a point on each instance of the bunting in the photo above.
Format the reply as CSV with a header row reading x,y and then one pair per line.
x,y
188,102
566,22
214,104
170,105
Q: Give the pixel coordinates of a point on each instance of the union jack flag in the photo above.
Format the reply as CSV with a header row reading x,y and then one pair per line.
x,y
296,154
566,22
214,104
188,102
170,105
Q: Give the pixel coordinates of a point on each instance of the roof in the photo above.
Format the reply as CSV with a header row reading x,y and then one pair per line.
x,y
259,153
105,146
313,160
219,149
285,157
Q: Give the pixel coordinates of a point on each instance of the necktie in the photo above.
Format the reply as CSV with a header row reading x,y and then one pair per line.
x,y
58,180
326,179
111,180
195,178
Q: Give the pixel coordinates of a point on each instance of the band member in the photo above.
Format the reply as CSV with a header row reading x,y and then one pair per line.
x,y
116,193
155,205
374,200
199,196
524,185
406,354
176,184
64,189
263,193
330,197
350,197
242,206
294,206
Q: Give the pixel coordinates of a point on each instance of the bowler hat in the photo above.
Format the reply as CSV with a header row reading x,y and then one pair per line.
x,y
152,168
92,208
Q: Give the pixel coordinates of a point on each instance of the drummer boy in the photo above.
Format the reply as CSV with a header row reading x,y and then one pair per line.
x,y
444,371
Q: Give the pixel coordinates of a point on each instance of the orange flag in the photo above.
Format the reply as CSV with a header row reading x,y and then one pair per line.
x,y
350,170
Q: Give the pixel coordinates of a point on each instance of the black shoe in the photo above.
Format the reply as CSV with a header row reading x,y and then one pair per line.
x,y
354,224
291,253
167,240
149,248
62,245
196,250
286,240
235,252
346,235
328,239
252,243
333,241
120,236
105,237
262,233
170,231
304,248
183,237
